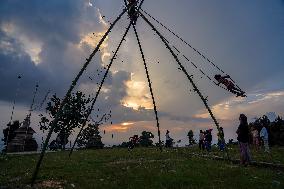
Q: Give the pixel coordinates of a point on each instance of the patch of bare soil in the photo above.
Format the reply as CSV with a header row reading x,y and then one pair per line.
x,y
50,184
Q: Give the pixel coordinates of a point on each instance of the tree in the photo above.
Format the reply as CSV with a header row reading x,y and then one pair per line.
x,y
145,139
277,132
74,114
190,135
124,145
90,137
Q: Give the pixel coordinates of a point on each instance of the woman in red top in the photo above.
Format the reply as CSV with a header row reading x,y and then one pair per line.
x,y
229,85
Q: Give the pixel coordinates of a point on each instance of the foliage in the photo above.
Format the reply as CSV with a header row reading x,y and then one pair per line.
x,y
145,139
275,129
74,114
90,137
191,140
124,145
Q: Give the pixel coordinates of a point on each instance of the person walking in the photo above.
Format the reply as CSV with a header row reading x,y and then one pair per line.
x,y
208,140
169,140
243,138
221,140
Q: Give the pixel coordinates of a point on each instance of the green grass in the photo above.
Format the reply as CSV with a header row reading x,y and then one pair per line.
x,y
140,168
276,156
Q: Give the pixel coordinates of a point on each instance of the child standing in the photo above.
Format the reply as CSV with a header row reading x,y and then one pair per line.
x,y
264,137
255,138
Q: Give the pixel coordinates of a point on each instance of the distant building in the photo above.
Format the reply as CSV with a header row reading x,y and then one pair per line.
x,y
23,141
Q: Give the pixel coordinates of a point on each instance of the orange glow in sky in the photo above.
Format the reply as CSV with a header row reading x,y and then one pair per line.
x,y
137,95
122,127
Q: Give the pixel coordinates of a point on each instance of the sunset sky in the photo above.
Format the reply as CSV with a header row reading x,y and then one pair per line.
x,y
47,42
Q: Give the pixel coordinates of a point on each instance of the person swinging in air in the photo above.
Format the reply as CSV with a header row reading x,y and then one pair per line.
x,y
229,85
132,4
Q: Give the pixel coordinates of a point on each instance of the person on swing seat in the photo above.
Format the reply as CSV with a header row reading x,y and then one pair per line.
x,y
132,10
229,85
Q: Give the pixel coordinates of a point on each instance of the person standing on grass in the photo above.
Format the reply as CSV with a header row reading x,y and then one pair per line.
x,y
255,138
169,140
264,137
201,140
221,141
243,138
208,140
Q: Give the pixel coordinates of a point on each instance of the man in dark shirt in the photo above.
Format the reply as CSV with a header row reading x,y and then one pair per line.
x,y
243,138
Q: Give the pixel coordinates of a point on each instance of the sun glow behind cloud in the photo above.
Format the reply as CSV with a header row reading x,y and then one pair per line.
x,y
127,123
121,127
137,95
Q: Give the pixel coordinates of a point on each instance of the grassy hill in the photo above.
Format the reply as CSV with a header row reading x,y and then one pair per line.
x,y
139,168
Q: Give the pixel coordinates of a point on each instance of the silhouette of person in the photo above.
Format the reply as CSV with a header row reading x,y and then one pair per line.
x,y
132,4
229,85
243,138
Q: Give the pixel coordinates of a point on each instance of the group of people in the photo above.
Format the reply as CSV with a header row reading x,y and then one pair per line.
x,y
205,140
243,132
260,138
243,139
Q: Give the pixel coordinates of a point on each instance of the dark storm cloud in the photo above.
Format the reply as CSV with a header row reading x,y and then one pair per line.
x,y
15,62
44,20
56,25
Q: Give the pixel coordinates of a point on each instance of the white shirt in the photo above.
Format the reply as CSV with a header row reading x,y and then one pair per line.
x,y
168,137
255,133
263,133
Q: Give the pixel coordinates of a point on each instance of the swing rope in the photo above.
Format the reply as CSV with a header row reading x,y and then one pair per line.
x,y
150,85
28,118
99,90
189,77
105,75
181,39
72,86
43,100
189,45
196,50
196,67
13,110
148,76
